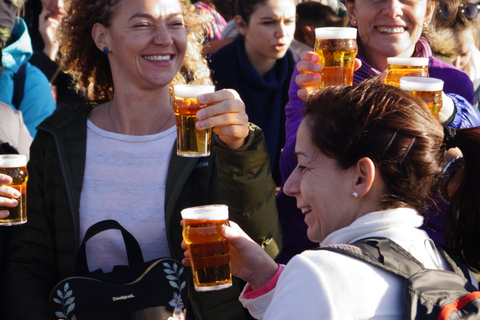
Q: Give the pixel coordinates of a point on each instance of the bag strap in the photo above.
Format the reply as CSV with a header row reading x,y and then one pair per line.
x,y
383,253
455,264
134,252
19,85
390,256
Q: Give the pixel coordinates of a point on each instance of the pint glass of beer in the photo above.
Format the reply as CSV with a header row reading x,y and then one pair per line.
x,y
15,165
429,89
337,48
209,250
190,141
405,67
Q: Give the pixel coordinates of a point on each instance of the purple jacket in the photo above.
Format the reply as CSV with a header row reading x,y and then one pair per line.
x,y
457,85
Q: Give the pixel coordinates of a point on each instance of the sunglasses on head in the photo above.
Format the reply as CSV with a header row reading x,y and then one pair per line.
x,y
470,11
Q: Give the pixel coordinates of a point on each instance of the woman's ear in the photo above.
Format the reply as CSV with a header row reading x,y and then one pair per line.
x,y
352,13
99,36
241,25
429,12
365,175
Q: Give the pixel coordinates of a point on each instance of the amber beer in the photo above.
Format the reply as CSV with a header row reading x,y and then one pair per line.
x,y
429,89
337,48
15,166
405,67
209,250
190,141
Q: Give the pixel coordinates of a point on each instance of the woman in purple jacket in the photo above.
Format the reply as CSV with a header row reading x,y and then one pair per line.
x,y
389,28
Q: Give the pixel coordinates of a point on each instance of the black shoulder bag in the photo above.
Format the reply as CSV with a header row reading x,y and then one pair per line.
x,y
142,290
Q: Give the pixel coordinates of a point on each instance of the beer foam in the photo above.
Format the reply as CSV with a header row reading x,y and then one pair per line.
x,y
191,90
13,160
336,33
409,62
208,212
421,84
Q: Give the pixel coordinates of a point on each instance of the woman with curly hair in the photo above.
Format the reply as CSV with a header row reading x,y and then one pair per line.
x,y
111,158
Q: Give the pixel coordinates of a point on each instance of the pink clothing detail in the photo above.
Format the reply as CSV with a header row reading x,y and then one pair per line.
x,y
252,294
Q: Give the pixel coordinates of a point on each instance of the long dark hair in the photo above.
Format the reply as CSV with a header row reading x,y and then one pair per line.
x,y
407,145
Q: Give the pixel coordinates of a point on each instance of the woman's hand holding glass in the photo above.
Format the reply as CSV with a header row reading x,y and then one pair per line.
x,y
249,261
310,73
226,115
8,195
447,110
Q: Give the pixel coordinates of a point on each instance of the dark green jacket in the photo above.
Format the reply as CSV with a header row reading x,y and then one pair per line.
x,y
42,251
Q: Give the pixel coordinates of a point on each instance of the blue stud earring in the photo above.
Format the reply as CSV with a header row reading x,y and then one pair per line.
x,y
105,50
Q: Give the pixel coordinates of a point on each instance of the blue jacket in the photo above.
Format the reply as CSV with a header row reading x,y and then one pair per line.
x,y
38,102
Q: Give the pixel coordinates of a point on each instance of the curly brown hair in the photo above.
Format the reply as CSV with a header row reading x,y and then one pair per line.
x,y
90,67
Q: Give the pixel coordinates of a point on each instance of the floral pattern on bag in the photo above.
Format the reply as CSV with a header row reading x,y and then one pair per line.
x,y
66,299
173,275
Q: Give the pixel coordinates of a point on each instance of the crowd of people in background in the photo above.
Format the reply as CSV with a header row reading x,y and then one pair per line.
x,y
86,92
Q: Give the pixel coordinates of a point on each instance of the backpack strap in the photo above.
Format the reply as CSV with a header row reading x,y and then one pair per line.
x,y
383,253
19,85
455,264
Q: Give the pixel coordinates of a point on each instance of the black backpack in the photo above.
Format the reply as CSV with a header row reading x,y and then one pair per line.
x,y
430,294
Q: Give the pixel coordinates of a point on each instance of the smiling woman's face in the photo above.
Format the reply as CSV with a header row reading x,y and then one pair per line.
x,y
389,28
147,40
322,189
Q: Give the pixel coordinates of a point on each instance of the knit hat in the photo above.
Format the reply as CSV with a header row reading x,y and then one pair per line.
x,y
8,11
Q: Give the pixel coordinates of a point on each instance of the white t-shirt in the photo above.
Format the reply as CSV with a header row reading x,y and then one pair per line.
x,y
125,178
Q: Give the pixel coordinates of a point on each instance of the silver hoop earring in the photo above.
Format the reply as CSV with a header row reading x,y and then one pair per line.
x,y
355,195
